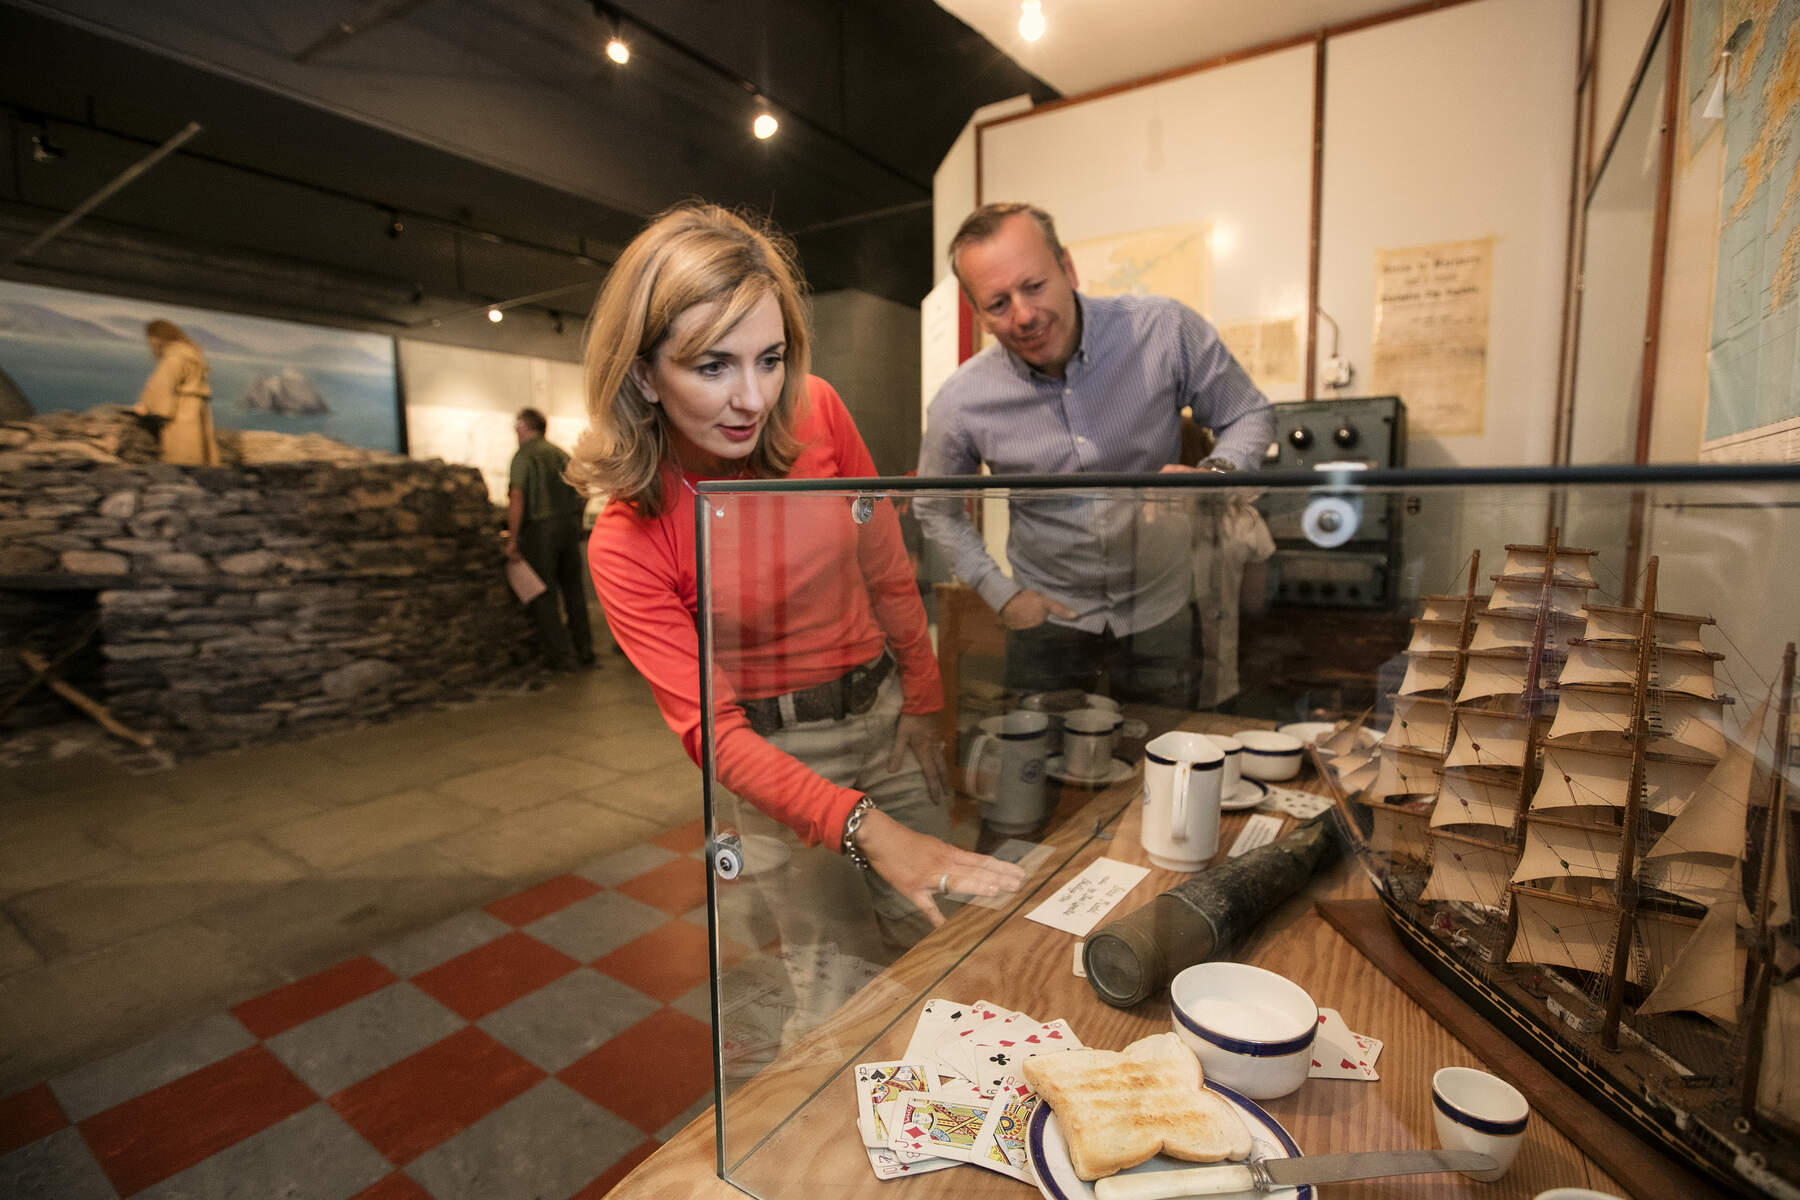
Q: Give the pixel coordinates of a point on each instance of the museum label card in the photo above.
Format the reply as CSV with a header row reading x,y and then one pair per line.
x,y
1079,904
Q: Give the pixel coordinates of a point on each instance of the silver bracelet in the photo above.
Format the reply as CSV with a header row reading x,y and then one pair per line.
x,y
852,823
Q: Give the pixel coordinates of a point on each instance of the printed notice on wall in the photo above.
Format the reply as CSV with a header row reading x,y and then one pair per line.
x,y
1269,351
1431,333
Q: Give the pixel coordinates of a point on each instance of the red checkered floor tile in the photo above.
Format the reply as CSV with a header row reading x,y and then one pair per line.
x,y
519,1032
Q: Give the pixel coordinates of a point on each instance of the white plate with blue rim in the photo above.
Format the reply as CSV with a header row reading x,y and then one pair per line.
x,y
1056,1178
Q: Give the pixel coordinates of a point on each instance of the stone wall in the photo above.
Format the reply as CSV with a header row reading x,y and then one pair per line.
x,y
258,600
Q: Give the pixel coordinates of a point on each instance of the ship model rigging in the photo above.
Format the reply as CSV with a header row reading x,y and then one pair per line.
x,y
1560,826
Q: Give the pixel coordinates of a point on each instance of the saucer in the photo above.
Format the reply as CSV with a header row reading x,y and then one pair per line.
x,y
1248,794
1056,766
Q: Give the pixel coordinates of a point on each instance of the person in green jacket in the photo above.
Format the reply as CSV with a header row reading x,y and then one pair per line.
x,y
543,525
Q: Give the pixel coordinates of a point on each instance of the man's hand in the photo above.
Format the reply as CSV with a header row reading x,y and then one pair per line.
x,y
921,867
512,548
1029,609
918,732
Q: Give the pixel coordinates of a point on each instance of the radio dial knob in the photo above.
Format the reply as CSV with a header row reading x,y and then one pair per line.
x,y
1345,435
1301,437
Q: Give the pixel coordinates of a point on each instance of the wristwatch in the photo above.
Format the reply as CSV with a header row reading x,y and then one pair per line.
x,y
1221,465
852,823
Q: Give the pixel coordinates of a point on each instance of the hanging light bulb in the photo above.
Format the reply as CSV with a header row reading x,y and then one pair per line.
x,y
496,316
618,51
765,125
1031,19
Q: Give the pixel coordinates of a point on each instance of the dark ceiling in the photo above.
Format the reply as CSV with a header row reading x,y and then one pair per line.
x,y
386,165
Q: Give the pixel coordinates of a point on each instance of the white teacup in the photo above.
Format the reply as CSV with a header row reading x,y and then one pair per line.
x,y
1480,1112
1183,773
1054,705
1013,801
1234,758
1089,736
1270,755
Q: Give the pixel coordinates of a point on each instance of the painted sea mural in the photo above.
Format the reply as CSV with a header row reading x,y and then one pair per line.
x,y
67,350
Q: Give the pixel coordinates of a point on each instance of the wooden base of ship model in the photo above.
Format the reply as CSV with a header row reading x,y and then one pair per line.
x,y
1563,833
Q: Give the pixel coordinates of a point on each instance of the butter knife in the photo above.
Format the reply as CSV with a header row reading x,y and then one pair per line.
x,y
1266,1174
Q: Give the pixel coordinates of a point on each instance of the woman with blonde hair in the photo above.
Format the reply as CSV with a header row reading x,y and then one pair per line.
x,y
696,369
178,393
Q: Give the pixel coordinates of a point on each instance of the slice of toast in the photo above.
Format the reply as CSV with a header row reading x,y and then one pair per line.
x,y
1118,1109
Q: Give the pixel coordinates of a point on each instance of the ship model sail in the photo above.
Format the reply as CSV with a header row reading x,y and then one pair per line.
x,y
1563,813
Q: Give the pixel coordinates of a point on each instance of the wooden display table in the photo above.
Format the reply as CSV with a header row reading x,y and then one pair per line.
x,y
791,1131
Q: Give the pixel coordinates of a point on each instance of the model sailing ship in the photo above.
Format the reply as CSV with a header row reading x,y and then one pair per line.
x,y
1561,828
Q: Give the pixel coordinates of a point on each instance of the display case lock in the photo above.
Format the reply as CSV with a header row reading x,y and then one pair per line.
x,y
727,854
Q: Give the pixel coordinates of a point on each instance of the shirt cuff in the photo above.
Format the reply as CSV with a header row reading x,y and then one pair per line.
x,y
997,589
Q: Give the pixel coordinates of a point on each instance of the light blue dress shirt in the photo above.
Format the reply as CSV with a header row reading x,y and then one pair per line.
x,y
1142,359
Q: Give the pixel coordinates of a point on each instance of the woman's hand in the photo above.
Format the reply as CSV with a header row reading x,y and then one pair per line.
x,y
920,867
918,732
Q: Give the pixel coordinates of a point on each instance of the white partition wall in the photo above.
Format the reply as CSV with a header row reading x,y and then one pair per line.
x,y
1229,147
1452,126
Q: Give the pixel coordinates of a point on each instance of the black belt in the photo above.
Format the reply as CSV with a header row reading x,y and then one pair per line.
x,y
847,695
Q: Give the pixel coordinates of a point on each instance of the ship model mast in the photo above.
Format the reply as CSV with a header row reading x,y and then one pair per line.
x,y
1558,809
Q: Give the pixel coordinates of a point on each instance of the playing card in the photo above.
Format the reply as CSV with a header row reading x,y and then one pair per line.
x,y
936,1126
936,1020
1300,805
1340,1054
953,1058
993,1061
984,1016
879,1082
888,1165
958,1089
1000,1146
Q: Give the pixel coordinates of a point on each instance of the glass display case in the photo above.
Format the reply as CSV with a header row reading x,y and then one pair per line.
x,y
1514,688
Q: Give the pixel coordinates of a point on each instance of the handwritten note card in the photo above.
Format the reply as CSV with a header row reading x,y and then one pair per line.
x,y
1079,904
1259,830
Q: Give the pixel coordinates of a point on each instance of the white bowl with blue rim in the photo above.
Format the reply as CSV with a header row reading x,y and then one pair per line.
x,y
1268,755
1251,1029
1477,1111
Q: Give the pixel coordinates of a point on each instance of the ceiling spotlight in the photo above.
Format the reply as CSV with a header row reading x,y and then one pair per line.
x,y
1031,19
618,51
396,226
496,316
765,125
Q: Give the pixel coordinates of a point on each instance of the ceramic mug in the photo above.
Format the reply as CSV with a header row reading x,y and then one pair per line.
x,y
1089,737
1183,774
1477,1111
1020,743
1055,705
1234,758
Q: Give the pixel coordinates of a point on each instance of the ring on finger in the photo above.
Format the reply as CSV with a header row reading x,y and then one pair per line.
x,y
943,883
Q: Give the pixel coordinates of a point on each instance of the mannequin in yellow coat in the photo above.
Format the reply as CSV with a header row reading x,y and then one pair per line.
x,y
178,392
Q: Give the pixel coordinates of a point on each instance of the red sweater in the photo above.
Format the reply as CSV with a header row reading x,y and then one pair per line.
x,y
801,594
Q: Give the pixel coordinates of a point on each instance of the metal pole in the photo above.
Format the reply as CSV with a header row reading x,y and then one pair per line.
x,y
119,181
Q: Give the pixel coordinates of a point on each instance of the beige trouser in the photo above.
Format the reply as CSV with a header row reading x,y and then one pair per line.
x,y
837,925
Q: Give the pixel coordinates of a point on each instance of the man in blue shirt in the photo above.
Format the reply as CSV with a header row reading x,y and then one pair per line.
x,y
1100,586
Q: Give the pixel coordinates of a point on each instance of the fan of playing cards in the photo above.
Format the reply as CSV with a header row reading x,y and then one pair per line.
x,y
957,1096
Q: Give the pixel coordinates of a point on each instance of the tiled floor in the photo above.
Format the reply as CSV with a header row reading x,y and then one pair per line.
x,y
502,1052
462,954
